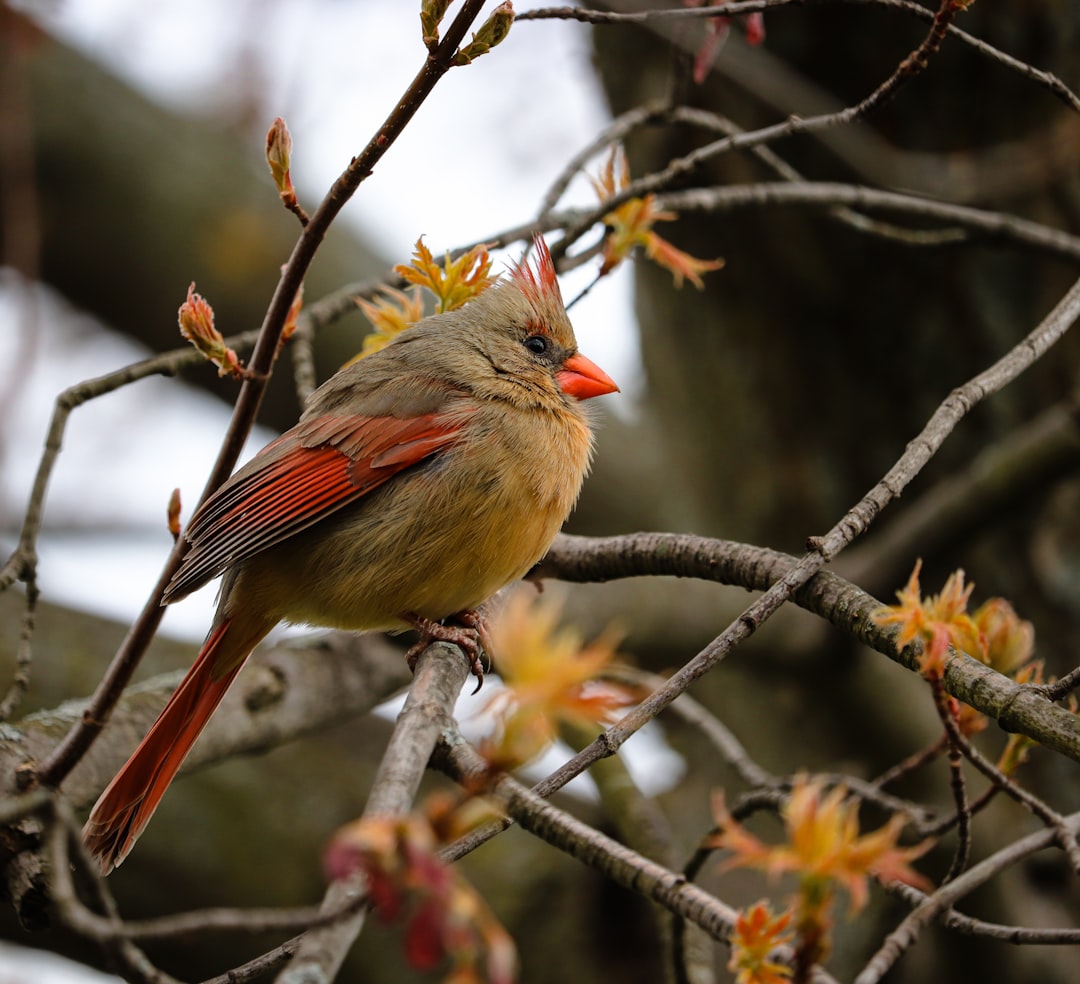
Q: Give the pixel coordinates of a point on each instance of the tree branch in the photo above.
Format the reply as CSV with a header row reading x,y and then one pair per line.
x,y
439,676
1016,707
938,902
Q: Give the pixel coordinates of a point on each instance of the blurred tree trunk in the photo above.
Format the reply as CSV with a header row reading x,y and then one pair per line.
x,y
787,387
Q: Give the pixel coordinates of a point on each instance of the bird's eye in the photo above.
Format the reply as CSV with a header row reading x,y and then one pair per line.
x,y
537,344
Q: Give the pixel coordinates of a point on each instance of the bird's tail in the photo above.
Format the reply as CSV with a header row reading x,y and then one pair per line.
x,y
127,804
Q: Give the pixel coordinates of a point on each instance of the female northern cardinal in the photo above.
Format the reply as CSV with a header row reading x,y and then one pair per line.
x,y
420,481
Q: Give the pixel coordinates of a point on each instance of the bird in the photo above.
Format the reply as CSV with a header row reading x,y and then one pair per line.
x,y
419,481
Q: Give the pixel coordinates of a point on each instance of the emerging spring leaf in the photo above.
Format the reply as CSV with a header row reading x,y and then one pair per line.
x,y
173,514
389,315
823,845
278,156
631,225
431,15
994,634
1016,749
679,263
454,283
196,319
293,316
551,678
1009,640
756,935
492,32
716,33
444,917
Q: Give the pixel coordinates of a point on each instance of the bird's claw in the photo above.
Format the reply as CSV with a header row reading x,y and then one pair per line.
x,y
470,636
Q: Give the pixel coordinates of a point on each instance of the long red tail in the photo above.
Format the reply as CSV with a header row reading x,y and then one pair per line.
x,y
127,804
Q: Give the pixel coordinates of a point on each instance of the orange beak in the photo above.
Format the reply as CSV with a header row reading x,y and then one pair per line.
x,y
582,378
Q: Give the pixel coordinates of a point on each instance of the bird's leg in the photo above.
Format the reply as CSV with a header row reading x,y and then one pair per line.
x,y
470,634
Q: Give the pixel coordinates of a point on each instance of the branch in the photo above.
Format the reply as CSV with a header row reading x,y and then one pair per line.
x,y
907,932
1019,469
969,926
439,676
775,163
731,750
944,420
852,525
1016,707
679,168
995,225
652,18
107,931
285,692
611,859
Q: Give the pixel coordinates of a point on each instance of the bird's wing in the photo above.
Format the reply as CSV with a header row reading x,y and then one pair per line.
x,y
311,471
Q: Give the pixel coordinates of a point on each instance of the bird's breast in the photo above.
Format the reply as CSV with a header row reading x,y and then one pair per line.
x,y
438,538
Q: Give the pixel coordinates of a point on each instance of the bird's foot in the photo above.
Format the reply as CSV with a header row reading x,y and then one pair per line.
x,y
470,634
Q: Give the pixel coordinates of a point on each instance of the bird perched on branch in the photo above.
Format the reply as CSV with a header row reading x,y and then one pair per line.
x,y
420,480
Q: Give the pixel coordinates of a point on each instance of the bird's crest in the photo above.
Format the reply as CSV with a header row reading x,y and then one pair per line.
x,y
538,282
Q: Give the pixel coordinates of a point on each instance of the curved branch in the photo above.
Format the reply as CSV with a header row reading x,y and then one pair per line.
x,y
598,851
1016,707
970,926
742,7
829,194
287,691
907,932
1013,712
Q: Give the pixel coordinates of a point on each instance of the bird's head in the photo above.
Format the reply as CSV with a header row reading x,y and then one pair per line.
x,y
521,330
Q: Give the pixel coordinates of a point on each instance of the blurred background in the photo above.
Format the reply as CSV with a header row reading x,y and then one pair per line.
x,y
758,409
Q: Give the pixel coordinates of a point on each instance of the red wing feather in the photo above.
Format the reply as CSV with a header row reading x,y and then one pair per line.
x,y
308,473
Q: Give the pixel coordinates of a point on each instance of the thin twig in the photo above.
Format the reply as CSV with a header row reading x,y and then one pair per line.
x,y
108,932
615,132
259,966
955,759
911,764
679,168
1061,688
1014,471
610,858
970,926
302,351
945,419
829,194
1046,80
775,163
850,526
901,938
613,860
699,717
24,651
1066,840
